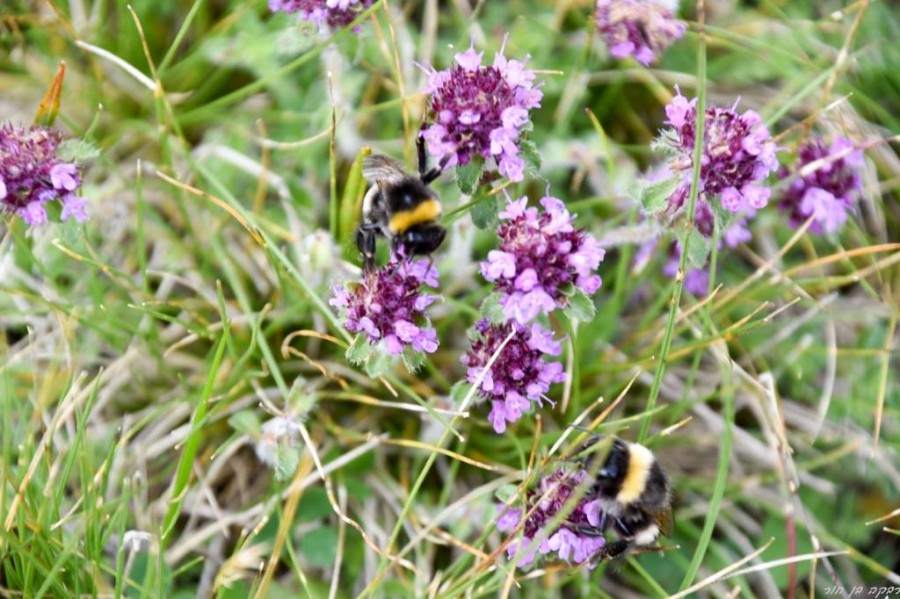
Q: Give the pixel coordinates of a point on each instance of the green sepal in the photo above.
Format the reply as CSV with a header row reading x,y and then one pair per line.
x,y
412,359
359,350
469,175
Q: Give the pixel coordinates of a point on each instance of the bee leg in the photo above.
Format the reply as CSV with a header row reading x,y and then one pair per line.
x,y
604,521
365,242
423,159
615,550
622,528
425,174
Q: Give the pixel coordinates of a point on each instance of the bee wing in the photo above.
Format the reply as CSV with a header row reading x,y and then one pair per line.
x,y
381,169
665,521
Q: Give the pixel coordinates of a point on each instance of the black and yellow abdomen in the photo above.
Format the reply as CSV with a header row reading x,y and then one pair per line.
x,y
427,211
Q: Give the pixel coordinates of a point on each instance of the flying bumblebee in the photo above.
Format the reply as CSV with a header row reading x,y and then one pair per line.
x,y
399,206
634,493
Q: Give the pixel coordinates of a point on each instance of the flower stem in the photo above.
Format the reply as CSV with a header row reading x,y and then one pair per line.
x,y
692,206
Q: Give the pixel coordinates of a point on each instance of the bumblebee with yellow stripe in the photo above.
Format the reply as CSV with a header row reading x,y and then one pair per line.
x,y
634,493
399,206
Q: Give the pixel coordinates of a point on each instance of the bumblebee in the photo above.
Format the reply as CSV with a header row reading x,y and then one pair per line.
x,y
635,496
399,206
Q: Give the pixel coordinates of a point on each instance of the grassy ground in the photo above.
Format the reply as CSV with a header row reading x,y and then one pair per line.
x,y
140,352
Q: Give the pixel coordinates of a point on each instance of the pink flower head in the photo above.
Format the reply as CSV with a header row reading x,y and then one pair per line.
x,y
827,192
389,307
334,14
480,110
519,376
576,539
639,28
541,254
738,154
31,175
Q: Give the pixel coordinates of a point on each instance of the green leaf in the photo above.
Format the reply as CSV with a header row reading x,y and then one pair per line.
x,y
580,307
245,421
484,213
697,249
412,359
286,459
314,505
492,309
654,197
723,217
468,175
506,492
77,150
531,156
319,547
359,350
300,398
355,188
378,364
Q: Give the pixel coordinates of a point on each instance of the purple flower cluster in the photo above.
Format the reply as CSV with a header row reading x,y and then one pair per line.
x,y
519,375
480,110
826,192
639,28
541,255
31,175
388,305
568,540
738,153
333,13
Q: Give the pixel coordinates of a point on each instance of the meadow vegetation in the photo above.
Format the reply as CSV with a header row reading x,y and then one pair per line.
x,y
190,406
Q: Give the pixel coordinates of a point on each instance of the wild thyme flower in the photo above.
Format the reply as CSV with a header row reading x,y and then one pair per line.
x,y
827,192
519,375
480,110
388,305
738,154
639,28
135,541
541,254
333,13
568,539
31,175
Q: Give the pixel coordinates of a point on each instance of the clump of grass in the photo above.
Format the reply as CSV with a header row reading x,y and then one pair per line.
x,y
144,353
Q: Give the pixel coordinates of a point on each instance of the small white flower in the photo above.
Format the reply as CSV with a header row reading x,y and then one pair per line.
x,y
138,540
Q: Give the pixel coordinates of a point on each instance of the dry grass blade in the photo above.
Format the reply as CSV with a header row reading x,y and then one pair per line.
x,y
721,574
